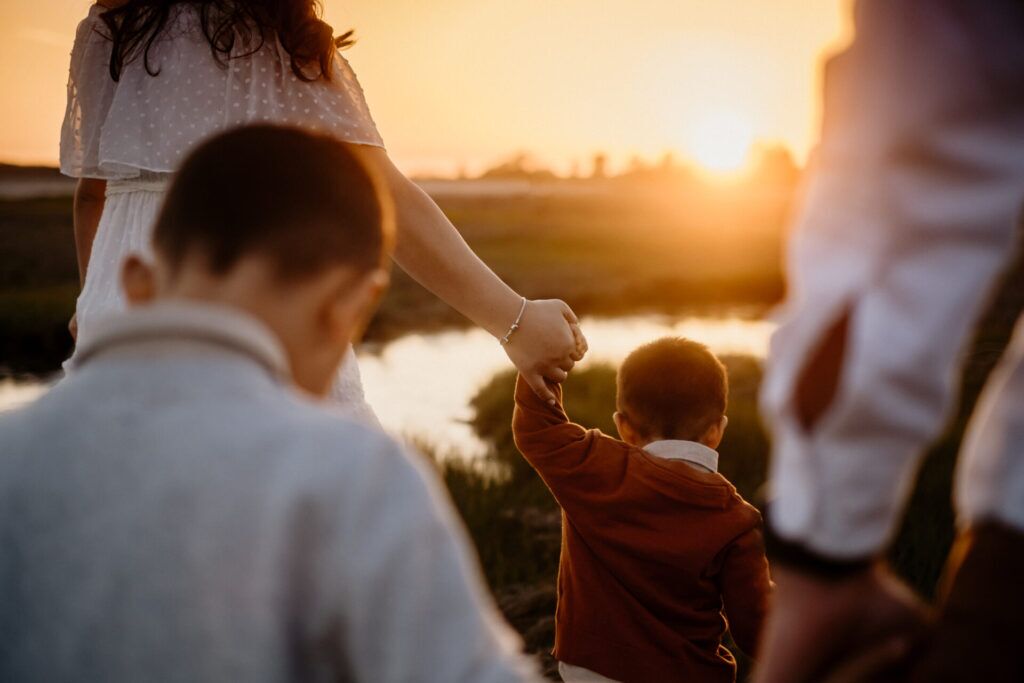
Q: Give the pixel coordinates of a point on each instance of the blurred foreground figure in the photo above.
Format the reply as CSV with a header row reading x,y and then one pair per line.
x,y
908,219
184,507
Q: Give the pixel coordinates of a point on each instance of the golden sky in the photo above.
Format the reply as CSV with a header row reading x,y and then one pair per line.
x,y
466,82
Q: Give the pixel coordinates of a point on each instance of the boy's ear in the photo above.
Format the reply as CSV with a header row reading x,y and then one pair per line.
x,y
626,431
138,281
713,436
352,303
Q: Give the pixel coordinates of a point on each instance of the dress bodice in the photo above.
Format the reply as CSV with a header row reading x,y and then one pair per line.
x,y
141,122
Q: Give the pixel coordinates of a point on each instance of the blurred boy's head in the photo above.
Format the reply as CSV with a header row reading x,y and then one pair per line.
x,y
289,226
672,388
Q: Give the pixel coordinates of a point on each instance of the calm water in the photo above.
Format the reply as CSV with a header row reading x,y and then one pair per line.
x,y
420,385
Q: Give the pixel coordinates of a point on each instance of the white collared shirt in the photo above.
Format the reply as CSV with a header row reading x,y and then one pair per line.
x,y
692,453
174,510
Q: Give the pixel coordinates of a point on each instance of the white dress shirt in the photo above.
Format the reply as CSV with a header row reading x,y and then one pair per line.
x,y
175,511
908,215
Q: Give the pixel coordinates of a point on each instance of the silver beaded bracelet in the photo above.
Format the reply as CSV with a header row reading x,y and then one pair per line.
x,y
507,339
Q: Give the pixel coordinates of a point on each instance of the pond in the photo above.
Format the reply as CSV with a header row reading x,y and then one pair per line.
x,y
421,384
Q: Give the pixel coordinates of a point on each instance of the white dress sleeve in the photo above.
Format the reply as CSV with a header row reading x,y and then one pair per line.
x,y
141,122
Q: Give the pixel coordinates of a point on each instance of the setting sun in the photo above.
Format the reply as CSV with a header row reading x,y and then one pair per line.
x,y
720,141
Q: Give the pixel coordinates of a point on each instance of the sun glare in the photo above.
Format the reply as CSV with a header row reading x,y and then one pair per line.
x,y
720,141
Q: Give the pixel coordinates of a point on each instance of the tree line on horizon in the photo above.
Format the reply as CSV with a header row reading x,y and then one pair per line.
x,y
769,163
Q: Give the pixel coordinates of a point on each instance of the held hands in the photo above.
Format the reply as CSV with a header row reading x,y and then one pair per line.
x,y
856,629
547,344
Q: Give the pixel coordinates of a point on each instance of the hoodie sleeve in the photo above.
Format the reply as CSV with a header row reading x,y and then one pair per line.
x,y
564,453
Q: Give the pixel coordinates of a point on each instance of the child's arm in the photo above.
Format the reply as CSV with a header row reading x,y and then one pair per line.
x,y
560,450
541,429
746,588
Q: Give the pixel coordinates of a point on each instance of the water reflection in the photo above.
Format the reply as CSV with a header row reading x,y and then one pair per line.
x,y
421,384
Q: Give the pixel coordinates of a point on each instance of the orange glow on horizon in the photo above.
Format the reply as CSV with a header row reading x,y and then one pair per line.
x,y
460,84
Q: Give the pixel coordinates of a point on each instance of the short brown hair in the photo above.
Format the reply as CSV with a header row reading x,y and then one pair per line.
x,y
672,388
303,200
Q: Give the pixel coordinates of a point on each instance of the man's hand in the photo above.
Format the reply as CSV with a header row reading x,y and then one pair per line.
x,y
547,345
73,326
818,627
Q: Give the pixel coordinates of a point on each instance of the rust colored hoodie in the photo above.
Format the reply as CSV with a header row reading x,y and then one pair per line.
x,y
658,559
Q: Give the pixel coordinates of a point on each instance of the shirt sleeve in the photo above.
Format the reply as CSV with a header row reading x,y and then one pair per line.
x,y
413,602
906,221
746,588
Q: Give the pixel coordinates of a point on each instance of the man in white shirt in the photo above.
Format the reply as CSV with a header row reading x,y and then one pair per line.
x,y
908,217
182,508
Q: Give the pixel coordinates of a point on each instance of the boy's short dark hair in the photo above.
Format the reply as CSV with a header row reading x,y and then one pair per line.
x,y
303,200
672,388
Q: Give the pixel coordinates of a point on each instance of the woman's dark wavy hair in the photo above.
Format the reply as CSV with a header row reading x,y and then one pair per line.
x,y
310,42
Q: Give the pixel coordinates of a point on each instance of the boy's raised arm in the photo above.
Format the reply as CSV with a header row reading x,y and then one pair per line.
x,y
582,468
543,432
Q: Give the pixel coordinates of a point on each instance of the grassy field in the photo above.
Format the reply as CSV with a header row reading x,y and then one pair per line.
x,y
606,248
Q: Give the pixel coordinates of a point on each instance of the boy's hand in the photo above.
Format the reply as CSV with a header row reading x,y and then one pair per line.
x,y
821,627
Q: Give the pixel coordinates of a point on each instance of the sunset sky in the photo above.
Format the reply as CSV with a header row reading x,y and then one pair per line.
x,y
455,83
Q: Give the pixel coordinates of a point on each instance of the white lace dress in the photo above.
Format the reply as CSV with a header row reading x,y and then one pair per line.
x,y
134,132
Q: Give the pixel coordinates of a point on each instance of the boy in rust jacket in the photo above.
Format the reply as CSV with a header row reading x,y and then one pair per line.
x,y
660,554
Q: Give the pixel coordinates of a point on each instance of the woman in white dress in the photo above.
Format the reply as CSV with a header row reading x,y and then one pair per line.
x,y
151,78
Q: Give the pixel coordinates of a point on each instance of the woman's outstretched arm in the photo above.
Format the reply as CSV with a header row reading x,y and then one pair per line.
x,y
433,252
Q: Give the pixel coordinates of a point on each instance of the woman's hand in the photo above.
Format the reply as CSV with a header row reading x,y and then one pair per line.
x,y
73,326
547,344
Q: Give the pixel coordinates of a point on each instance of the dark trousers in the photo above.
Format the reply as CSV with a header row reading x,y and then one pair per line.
x,y
979,635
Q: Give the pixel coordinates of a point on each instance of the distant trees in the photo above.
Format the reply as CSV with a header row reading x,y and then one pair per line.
x,y
772,165
520,166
